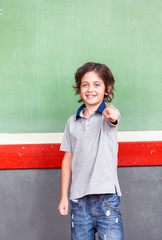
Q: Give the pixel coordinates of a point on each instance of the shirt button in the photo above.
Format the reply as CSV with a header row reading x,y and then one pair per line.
x,y
87,127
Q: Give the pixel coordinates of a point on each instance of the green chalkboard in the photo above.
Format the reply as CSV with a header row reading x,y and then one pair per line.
x,y
43,42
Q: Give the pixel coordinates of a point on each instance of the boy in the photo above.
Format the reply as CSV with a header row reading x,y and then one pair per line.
x,y
90,145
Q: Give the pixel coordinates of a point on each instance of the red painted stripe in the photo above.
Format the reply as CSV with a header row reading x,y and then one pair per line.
x,y
29,156
140,153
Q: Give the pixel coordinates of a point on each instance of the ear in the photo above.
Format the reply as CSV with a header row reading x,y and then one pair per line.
x,y
108,90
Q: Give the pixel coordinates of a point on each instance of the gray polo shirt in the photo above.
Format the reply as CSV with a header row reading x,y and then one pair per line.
x,y
93,142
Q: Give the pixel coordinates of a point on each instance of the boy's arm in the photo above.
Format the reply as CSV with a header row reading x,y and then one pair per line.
x,y
65,181
111,114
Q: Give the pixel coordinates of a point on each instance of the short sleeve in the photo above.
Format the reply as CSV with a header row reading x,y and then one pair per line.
x,y
66,142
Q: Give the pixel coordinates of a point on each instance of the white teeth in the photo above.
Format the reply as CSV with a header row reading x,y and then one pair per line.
x,y
90,96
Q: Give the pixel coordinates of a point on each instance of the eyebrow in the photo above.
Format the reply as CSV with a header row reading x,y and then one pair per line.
x,y
97,81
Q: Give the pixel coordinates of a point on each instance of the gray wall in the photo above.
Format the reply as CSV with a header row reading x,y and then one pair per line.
x,y
29,200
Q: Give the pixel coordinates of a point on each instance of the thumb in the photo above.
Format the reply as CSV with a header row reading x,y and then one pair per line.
x,y
65,210
108,113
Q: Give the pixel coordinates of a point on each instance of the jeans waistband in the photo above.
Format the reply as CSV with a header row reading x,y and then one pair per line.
x,y
99,196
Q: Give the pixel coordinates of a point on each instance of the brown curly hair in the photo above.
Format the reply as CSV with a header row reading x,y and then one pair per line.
x,y
103,72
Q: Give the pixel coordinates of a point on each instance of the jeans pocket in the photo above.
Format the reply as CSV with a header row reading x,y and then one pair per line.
x,y
75,204
112,201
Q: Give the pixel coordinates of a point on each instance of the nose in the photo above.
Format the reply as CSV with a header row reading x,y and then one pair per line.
x,y
90,89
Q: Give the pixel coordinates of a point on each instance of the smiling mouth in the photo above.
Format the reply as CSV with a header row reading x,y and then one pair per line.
x,y
90,96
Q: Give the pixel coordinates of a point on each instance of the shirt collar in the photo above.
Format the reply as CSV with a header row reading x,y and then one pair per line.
x,y
100,109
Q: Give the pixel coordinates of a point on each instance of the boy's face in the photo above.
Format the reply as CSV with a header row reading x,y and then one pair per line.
x,y
92,89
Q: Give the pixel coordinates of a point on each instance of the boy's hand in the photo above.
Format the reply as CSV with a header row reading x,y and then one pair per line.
x,y
110,113
63,207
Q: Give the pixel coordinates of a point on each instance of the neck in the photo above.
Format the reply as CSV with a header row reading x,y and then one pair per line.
x,y
90,110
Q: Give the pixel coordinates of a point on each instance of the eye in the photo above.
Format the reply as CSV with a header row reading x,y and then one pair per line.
x,y
97,84
84,85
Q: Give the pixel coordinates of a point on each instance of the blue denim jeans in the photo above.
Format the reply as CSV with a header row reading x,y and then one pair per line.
x,y
99,213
